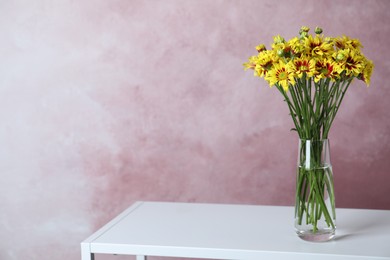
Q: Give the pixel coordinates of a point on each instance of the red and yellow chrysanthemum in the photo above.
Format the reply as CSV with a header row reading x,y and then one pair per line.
x,y
317,47
345,42
303,66
281,74
325,69
367,71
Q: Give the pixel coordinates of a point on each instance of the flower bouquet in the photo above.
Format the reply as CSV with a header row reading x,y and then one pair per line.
x,y
313,73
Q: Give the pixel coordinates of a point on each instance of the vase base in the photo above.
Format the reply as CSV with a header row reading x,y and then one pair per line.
x,y
319,236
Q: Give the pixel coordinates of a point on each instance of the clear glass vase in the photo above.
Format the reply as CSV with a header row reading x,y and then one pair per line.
x,y
315,212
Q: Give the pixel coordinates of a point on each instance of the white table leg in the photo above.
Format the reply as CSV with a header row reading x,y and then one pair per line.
x,y
87,256
86,252
141,257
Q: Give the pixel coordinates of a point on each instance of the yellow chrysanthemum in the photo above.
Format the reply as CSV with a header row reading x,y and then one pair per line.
x,y
345,42
303,65
296,46
317,47
352,64
251,64
264,63
325,69
367,72
280,74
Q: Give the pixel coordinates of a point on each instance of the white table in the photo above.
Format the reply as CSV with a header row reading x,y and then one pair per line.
x,y
219,231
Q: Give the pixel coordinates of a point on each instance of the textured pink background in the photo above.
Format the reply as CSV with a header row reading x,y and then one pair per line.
x,y
104,103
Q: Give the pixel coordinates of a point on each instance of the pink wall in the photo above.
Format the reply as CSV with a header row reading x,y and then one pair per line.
x,y
104,103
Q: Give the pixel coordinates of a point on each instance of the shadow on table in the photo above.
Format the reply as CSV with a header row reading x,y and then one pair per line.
x,y
353,225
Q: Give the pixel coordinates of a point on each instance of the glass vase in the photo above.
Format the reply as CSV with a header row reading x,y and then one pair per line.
x,y
315,212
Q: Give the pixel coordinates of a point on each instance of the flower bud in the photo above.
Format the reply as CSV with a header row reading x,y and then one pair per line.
x,y
280,53
261,48
318,30
303,35
328,39
279,39
340,56
304,29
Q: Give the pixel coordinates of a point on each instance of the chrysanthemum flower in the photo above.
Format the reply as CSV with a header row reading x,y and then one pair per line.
x,y
296,46
251,64
353,63
280,74
317,46
345,42
264,63
325,69
367,71
303,65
